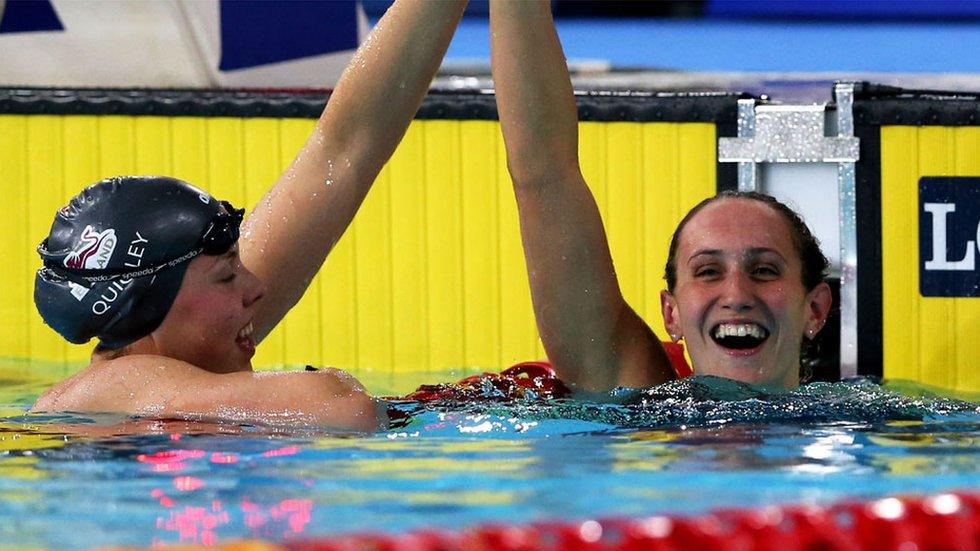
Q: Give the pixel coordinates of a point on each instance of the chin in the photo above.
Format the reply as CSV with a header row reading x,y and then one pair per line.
x,y
746,372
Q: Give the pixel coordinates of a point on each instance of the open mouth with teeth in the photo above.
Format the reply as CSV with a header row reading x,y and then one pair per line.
x,y
739,336
244,339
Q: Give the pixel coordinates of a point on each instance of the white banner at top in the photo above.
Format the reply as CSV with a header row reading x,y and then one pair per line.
x,y
177,43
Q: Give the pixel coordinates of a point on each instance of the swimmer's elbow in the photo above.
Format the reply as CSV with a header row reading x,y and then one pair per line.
x,y
341,402
542,173
363,414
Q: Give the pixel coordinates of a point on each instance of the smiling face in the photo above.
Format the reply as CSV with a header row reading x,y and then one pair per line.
x,y
739,301
210,322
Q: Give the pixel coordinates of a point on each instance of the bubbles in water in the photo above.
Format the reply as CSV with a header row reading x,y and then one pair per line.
x,y
704,401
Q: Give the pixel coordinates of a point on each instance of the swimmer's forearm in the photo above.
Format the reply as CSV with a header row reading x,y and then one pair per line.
x,y
384,84
291,231
534,92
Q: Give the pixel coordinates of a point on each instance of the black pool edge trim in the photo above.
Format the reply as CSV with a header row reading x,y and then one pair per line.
x,y
874,104
870,356
882,105
439,104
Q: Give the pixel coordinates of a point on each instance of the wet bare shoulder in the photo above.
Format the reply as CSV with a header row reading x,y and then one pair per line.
x,y
122,385
161,387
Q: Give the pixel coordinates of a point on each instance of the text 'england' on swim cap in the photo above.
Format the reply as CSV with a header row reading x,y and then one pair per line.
x,y
117,253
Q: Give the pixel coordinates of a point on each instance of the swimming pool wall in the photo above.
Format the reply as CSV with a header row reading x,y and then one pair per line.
x,y
908,327
431,275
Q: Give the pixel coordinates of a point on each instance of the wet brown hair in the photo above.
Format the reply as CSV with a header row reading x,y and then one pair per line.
x,y
814,263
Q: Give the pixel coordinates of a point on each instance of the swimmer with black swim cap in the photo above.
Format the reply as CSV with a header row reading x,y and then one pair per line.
x,y
118,252
154,268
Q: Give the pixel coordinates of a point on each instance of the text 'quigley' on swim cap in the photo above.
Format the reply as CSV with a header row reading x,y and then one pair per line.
x,y
117,254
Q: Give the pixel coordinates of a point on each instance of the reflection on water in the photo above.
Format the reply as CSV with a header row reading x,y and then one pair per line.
x,y
78,482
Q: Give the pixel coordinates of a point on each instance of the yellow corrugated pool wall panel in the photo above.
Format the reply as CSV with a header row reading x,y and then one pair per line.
x,y
430,276
929,339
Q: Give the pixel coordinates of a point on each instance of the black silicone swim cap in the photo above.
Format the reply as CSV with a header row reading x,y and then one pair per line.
x,y
117,254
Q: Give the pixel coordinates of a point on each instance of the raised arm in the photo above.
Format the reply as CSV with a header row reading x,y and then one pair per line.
x,y
288,235
592,337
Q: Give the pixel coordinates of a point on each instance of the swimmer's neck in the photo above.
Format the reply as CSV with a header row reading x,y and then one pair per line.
x,y
146,346
101,354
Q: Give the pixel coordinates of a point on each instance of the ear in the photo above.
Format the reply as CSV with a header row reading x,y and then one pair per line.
x,y
819,302
668,307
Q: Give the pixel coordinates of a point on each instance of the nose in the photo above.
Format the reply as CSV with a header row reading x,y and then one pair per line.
x,y
737,294
254,288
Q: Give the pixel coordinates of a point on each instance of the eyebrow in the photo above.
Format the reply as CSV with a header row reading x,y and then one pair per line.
x,y
705,252
759,251
231,254
750,253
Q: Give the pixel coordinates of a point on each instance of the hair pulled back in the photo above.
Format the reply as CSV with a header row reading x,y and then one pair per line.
x,y
814,263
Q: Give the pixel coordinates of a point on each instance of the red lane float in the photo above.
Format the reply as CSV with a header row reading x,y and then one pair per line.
x,y
942,522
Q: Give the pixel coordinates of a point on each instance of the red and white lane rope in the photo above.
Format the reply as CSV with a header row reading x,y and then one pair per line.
x,y
941,522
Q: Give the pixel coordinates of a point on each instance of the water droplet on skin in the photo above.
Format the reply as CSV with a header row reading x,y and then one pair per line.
x,y
328,182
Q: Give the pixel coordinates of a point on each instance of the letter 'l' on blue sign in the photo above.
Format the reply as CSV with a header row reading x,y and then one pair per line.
x,y
949,237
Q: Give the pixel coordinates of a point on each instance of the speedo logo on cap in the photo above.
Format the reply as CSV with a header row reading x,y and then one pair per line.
x,y
77,291
93,251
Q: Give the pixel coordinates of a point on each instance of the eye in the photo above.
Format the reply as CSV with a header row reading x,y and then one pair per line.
x,y
229,278
765,271
706,271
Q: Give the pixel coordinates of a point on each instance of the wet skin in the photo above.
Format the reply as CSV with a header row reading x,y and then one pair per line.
x,y
209,323
197,366
737,264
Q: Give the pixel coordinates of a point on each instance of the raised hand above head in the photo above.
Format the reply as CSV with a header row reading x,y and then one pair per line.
x,y
592,336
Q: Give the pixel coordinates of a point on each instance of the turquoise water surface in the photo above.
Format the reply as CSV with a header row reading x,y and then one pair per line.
x,y
73,482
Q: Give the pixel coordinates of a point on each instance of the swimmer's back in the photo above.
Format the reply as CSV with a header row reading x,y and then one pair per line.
x,y
157,386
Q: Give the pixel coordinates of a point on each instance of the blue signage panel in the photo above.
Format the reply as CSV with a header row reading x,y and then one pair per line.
x,y
25,16
949,237
260,32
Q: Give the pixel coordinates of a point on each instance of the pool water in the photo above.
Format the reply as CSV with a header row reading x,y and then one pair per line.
x,y
73,482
